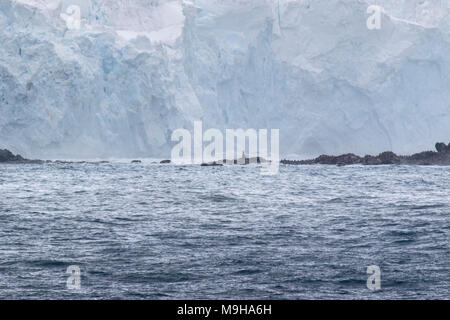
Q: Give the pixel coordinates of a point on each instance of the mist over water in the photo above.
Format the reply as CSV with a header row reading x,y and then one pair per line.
x,y
169,232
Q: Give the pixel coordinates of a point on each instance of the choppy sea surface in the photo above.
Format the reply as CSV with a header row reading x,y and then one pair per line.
x,y
147,231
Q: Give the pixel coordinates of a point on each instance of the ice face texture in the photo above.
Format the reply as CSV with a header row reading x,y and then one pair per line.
x,y
138,69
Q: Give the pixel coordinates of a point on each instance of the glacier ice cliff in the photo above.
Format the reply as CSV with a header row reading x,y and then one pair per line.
x,y
138,69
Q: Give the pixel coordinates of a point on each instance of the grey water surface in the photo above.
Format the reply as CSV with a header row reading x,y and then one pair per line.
x,y
147,231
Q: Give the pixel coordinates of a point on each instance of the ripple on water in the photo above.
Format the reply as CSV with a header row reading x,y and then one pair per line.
x,y
157,232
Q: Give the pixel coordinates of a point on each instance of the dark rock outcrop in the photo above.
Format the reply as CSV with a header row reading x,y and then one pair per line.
x,y
245,161
442,147
212,164
242,161
389,158
165,162
136,161
7,156
440,158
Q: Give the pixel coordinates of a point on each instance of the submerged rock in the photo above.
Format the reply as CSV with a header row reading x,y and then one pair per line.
x,y
136,161
165,162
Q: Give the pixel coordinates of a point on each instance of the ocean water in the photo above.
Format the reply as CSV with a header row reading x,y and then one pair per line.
x,y
148,231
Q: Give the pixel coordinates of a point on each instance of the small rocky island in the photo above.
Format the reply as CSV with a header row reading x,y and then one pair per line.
x,y
7,156
244,160
440,157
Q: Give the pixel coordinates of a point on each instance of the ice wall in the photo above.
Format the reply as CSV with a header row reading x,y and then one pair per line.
x,y
136,70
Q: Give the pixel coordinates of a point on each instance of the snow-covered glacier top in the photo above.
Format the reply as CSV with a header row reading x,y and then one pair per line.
x,y
135,70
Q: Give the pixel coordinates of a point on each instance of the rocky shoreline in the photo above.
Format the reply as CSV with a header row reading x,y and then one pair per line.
x,y
8,157
440,157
